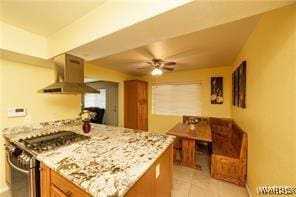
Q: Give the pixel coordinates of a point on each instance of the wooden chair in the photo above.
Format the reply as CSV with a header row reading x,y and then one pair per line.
x,y
229,157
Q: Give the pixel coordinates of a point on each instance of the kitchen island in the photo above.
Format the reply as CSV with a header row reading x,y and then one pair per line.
x,y
112,162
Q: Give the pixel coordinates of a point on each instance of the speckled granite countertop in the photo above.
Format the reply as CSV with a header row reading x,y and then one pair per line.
x,y
107,164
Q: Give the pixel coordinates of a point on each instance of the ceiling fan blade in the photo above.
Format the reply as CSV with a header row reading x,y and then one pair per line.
x,y
151,63
169,63
168,68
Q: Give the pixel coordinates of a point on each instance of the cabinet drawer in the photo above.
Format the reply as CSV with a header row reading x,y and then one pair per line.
x,y
68,188
56,192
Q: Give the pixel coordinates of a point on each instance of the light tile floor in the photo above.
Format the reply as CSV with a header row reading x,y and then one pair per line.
x,y
188,182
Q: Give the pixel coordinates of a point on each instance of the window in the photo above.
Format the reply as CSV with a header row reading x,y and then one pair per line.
x,y
176,99
95,100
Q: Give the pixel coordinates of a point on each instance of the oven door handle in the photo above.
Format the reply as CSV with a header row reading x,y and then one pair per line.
x,y
15,167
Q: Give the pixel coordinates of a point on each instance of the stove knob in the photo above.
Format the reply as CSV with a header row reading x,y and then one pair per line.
x,y
24,157
11,148
44,148
20,158
26,160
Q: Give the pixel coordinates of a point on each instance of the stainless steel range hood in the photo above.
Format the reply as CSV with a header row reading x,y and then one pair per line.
x,y
69,73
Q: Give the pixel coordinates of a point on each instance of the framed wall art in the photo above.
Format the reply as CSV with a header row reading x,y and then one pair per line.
x,y
217,90
239,85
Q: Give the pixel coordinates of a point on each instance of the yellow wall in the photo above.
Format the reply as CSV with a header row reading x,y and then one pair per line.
x,y
18,88
162,123
19,83
100,73
269,118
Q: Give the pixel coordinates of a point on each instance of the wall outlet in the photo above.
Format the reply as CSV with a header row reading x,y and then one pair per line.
x,y
157,171
54,116
28,119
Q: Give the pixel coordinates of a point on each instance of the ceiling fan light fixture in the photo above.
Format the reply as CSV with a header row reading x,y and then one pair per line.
x,y
156,72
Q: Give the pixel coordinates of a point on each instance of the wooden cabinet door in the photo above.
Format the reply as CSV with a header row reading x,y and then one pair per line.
x,y
227,169
149,185
135,105
142,117
44,180
165,179
130,105
142,106
56,192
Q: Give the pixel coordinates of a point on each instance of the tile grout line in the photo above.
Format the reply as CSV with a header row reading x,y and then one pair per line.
x,y
190,184
219,191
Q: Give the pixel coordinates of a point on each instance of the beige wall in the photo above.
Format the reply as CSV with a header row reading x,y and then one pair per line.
x,y
162,123
269,118
18,88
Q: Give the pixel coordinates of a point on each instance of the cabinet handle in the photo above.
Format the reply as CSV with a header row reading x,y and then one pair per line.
x,y
68,193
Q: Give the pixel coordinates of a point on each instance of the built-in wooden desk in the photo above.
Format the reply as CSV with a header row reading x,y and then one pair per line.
x,y
202,133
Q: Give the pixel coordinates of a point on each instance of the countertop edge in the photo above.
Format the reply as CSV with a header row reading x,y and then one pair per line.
x,y
138,178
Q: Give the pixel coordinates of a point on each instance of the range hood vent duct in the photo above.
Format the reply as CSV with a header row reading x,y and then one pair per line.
x,y
69,76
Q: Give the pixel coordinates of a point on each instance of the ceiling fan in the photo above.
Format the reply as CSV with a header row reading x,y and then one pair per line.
x,y
159,66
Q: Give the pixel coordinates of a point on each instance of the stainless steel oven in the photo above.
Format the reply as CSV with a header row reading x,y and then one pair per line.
x,y
24,172
24,167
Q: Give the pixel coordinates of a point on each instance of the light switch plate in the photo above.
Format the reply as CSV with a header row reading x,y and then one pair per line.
x,y
16,112
157,171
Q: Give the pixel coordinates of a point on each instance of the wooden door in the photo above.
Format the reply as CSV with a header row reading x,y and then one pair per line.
x,y
111,112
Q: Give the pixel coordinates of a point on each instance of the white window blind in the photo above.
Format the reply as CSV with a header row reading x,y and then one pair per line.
x,y
176,99
95,100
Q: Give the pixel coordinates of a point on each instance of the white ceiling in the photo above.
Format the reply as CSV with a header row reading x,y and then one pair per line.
x,y
216,46
44,17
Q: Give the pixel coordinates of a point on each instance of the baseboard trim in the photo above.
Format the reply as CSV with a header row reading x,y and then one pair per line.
x,y
248,190
4,189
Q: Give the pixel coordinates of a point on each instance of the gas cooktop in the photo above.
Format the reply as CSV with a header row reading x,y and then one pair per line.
x,y
48,141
